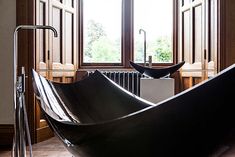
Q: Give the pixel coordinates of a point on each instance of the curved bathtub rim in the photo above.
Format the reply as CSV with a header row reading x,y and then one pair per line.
x,y
78,82
159,104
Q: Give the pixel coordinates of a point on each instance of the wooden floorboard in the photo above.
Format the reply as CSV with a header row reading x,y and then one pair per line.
x,y
54,148
49,148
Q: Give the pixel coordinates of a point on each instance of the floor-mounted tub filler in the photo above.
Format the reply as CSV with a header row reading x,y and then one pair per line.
x,y
21,127
96,118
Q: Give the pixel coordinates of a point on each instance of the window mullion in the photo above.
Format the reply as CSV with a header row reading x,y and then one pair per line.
x,y
127,32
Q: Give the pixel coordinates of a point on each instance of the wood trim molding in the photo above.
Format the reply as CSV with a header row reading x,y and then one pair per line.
x,y
6,135
175,32
127,33
44,133
226,33
25,15
221,34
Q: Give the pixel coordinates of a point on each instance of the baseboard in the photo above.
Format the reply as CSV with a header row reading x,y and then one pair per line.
x,y
44,133
6,135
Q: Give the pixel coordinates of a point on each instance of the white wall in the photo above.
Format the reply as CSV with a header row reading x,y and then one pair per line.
x,y
7,25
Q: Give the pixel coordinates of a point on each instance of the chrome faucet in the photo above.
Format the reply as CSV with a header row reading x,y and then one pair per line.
x,y
21,127
150,57
141,30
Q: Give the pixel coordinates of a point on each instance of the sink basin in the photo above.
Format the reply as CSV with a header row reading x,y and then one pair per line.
x,y
157,72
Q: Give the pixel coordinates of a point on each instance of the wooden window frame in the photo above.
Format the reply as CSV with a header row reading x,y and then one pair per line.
x,y
127,36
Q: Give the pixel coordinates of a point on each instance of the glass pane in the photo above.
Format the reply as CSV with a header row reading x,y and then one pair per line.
x,y
155,17
70,3
186,2
102,31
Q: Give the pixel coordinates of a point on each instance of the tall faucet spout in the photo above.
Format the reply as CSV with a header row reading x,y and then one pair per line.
x,y
141,30
20,115
36,27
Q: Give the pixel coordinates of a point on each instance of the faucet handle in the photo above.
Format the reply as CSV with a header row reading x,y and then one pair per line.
x,y
150,61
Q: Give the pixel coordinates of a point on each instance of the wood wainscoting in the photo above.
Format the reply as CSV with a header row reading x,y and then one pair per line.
x,y
43,131
6,136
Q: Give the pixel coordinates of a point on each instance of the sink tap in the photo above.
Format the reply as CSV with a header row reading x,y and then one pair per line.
x,y
150,61
141,30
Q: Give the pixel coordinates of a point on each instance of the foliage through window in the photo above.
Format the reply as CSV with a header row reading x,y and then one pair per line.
x,y
156,18
107,24
102,31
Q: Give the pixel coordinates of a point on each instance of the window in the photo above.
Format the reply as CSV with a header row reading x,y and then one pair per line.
x,y
102,31
155,17
109,31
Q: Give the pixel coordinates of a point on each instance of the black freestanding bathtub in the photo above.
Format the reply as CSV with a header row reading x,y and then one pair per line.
x,y
96,118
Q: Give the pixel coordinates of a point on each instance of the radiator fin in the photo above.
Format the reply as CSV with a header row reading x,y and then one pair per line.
x,y
128,80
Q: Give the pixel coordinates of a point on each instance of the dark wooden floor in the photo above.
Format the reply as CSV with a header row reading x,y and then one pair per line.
x,y
54,148
50,148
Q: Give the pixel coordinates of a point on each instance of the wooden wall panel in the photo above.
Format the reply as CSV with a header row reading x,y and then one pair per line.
x,y
196,80
226,33
41,35
195,42
41,44
44,133
57,79
57,42
69,79
213,48
25,15
69,36
55,57
186,83
186,42
178,81
193,38
198,34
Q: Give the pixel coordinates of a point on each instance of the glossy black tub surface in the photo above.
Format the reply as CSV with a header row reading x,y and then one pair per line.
x,y
157,72
96,118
